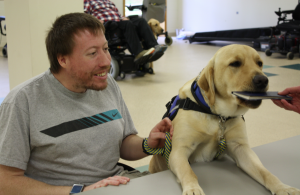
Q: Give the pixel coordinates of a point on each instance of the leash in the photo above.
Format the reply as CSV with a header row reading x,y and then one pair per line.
x,y
165,151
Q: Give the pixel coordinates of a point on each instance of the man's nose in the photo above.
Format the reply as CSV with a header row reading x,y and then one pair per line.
x,y
105,59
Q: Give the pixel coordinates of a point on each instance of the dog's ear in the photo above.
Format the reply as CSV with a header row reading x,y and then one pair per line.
x,y
149,23
206,82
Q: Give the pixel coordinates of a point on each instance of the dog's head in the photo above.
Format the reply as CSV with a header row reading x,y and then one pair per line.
x,y
155,26
233,68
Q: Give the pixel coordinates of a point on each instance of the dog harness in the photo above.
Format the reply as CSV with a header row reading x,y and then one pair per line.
x,y
187,104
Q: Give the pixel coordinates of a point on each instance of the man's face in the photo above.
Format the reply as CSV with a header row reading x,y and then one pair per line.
x,y
88,65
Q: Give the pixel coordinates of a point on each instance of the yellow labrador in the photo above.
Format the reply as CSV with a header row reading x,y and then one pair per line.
x,y
232,68
156,29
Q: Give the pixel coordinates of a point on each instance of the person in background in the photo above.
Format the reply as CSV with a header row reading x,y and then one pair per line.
x,y
64,131
294,104
134,30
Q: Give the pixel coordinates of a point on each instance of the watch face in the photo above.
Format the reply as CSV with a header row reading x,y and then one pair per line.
x,y
77,188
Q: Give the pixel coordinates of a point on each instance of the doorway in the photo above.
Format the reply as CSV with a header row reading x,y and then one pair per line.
x,y
138,12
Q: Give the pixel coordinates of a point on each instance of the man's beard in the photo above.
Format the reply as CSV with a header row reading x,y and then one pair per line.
x,y
83,79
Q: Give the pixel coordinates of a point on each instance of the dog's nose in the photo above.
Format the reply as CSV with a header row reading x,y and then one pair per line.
x,y
162,30
260,81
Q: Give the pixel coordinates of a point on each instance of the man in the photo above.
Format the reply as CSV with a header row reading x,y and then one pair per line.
x,y
134,30
69,125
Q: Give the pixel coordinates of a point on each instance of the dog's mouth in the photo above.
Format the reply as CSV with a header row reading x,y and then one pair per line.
x,y
250,103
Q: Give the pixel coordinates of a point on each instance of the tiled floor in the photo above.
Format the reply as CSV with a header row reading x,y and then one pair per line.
x,y
146,96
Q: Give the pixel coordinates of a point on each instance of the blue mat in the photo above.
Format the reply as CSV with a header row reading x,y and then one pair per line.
x,y
142,168
1,100
270,74
267,66
292,66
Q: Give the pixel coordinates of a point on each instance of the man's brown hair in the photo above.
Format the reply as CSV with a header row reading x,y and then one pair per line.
x,y
60,38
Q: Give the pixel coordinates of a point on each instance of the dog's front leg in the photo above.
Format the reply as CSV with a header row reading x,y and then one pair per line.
x,y
180,166
248,161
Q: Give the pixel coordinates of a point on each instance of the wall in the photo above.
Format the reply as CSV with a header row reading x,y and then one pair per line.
x,y
202,15
28,22
119,5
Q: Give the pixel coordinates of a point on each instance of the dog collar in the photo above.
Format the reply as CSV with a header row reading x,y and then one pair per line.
x,y
197,94
195,89
187,104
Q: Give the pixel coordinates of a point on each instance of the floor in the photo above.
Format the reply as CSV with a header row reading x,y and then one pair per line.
x,y
146,96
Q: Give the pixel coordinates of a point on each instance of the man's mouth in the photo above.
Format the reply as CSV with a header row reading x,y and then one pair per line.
x,y
101,74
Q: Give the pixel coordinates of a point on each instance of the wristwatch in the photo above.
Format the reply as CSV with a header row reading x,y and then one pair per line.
x,y
77,188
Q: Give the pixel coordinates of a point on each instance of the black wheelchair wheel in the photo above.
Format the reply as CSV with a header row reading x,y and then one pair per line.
x,y
122,75
114,68
150,71
168,40
268,52
290,55
4,51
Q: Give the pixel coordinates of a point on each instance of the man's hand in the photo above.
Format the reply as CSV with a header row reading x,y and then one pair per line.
x,y
294,104
114,181
158,133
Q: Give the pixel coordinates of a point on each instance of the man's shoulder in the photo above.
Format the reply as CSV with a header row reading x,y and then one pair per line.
x,y
24,88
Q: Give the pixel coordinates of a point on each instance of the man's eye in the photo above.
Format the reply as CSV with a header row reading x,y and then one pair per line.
x,y
235,64
93,53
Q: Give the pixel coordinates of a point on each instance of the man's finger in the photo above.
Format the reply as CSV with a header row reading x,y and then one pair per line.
x,y
158,135
277,102
290,90
120,177
167,121
287,105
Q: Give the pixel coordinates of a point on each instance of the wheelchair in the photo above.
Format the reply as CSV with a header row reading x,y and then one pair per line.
x,y
288,42
121,62
4,49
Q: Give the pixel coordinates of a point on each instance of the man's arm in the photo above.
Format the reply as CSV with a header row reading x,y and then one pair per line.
x,y
13,182
131,148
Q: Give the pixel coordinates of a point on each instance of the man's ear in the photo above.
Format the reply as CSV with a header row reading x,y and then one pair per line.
x,y
62,60
206,82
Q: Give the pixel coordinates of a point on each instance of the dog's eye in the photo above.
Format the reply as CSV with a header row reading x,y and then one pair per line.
x,y
236,64
156,24
260,64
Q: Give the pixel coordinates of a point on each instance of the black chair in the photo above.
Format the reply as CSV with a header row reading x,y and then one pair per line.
x,y
288,42
126,167
121,62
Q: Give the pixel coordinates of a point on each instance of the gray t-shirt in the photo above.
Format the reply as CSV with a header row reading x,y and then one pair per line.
x,y
60,137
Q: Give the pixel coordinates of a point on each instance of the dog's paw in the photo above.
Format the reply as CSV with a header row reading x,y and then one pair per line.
x,y
287,190
193,191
